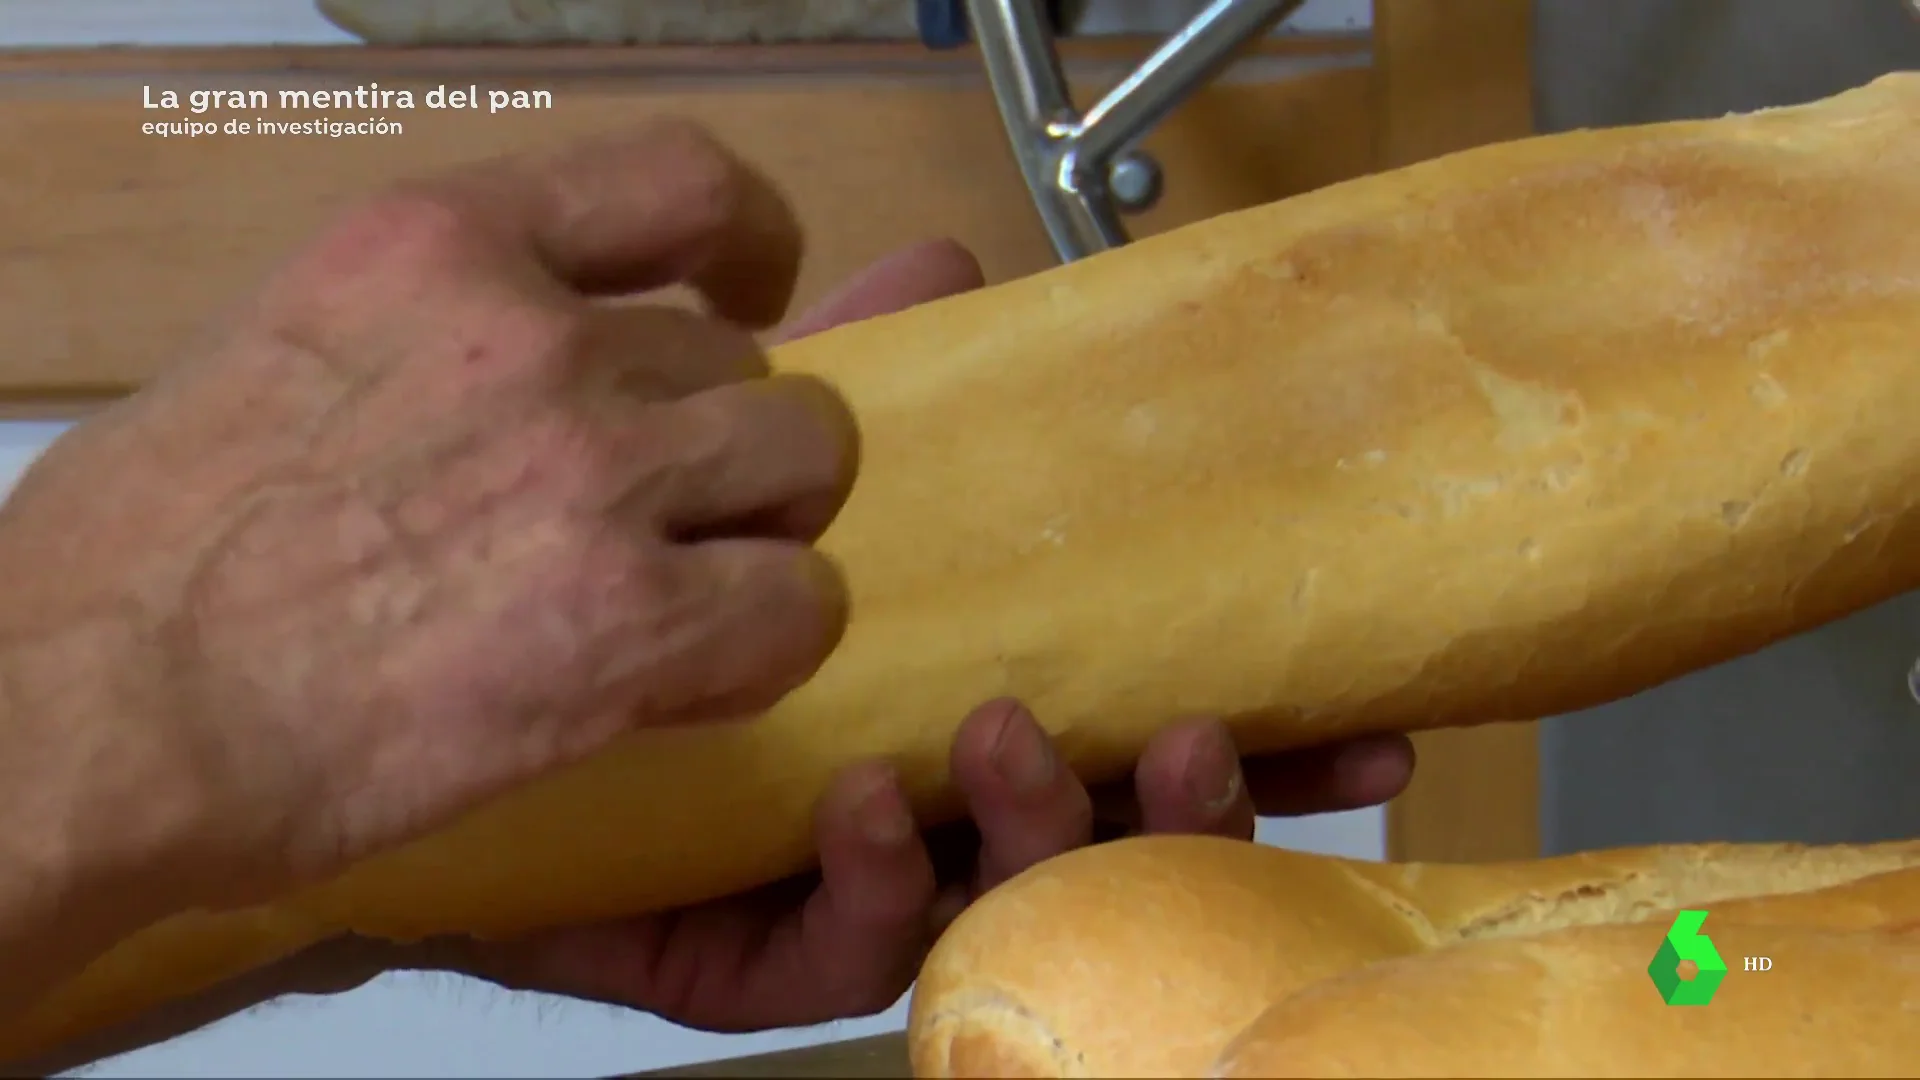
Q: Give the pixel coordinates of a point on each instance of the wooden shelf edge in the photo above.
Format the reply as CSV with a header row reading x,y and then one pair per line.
x,y
624,61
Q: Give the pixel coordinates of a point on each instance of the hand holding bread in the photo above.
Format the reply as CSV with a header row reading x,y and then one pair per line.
x,y
1501,435
1705,295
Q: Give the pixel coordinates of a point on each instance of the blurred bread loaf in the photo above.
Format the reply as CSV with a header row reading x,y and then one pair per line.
x,y
1200,957
1578,1003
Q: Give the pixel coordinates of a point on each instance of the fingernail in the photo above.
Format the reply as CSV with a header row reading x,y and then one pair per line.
x,y
1022,754
1213,772
1359,771
827,584
884,816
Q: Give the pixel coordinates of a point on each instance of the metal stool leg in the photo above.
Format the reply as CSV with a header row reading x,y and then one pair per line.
x,y
1081,169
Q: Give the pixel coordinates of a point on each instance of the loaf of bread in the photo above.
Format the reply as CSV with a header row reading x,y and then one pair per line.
x,y
1507,434
1578,1003
1201,957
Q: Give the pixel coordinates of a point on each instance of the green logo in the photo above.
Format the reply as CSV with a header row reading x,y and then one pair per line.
x,y
1686,944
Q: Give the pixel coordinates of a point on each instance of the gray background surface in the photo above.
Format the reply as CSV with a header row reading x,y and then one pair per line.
x,y
1817,738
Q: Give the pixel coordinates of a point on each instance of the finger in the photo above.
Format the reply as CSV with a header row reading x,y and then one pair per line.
x,y
730,627
650,352
771,457
1028,805
853,947
1345,776
929,271
1188,781
662,204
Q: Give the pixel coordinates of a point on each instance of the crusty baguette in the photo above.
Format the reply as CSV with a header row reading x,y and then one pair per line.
x,y
1506,434
1190,957
1578,1003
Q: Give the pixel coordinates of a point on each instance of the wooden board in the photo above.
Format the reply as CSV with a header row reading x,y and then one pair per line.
x,y
115,246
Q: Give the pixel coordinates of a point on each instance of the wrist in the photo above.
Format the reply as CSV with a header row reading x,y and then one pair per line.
x,y
332,967
89,812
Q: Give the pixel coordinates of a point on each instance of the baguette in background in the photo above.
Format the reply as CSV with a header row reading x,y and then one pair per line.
x,y
1201,957
1578,1003
1502,435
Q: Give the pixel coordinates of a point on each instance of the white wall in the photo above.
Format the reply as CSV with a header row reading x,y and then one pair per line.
x,y
413,1025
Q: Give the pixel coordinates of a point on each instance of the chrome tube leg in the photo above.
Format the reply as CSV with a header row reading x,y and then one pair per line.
x,y
1037,110
1071,162
1174,71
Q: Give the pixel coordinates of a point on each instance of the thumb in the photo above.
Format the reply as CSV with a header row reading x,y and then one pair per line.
x,y
927,271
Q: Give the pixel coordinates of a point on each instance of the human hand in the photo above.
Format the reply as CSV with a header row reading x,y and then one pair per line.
x,y
431,515
847,941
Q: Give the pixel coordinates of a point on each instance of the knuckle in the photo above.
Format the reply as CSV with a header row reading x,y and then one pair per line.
x,y
702,436
687,140
628,610
722,346
820,396
413,224
543,340
661,600
574,451
828,421
704,176
658,352
627,577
